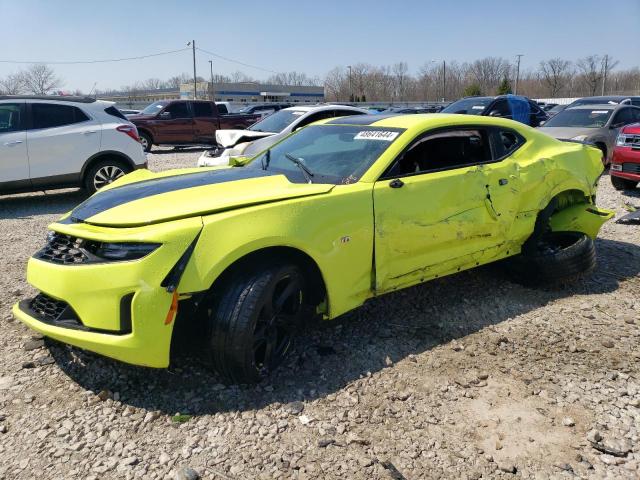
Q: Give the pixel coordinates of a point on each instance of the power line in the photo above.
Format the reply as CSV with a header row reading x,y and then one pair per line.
x,y
78,62
236,61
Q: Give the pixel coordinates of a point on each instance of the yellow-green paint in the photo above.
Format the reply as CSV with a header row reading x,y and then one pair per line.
x,y
366,238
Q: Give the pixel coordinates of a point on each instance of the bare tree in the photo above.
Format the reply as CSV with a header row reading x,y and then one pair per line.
x,y
39,79
176,81
555,74
12,84
152,84
400,71
591,71
488,72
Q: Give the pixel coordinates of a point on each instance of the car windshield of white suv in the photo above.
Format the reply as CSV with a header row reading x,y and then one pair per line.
x,y
469,106
154,108
338,154
276,122
580,118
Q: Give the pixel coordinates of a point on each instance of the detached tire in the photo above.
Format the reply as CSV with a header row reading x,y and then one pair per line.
x,y
623,183
557,258
253,320
103,173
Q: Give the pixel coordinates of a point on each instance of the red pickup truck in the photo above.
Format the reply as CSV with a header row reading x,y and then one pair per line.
x,y
185,122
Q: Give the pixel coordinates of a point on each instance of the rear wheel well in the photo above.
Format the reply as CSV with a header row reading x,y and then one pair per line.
x,y
316,287
105,156
603,148
145,132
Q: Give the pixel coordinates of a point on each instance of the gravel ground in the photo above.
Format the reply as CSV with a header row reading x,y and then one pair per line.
x,y
469,376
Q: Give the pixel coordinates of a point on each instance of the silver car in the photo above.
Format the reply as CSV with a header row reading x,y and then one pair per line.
x,y
596,124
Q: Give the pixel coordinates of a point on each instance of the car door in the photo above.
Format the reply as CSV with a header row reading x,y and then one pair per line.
x,y
60,139
176,125
14,163
500,108
433,208
205,122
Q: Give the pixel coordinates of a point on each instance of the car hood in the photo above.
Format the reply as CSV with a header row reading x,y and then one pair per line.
x,y
229,138
139,117
568,132
143,198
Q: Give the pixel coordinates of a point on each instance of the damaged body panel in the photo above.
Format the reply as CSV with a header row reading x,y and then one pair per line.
x,y
362,205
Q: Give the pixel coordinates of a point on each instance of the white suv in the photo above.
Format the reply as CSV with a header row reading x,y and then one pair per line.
x,y
59,142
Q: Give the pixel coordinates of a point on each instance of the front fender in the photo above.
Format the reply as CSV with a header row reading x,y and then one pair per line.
x,y
580,218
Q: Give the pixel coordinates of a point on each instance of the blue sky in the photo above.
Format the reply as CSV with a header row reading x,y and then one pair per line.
x,y
306,36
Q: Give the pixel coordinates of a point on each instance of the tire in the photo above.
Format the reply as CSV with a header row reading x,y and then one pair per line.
x,y
253,320
623,183
146,141
603,149
557,258
103,173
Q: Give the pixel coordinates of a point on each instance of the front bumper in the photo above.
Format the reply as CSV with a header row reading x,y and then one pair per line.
x,y
626,163
116,309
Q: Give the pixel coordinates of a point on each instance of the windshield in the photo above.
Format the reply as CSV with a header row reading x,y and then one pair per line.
x,y
153,108
338,154
580,117
276,122
468,106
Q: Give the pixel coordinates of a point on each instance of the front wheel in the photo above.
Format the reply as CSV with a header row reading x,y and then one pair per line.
x,y
253,320
555,258
620,183
146,142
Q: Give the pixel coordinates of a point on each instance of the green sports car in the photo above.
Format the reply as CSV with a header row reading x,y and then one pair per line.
x,y
338,212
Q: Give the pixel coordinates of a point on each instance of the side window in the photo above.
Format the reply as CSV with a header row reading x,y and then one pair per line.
x,y
178,110
114,112
222,109
48,115
501,109
345,113
10,117
635,112
623,117
505,142
202,109
314,117
444,150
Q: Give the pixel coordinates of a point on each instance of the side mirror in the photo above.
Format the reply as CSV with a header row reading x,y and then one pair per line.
x,y
494,113
542,122
165,115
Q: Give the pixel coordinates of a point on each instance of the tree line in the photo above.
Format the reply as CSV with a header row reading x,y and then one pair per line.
x,y
552,78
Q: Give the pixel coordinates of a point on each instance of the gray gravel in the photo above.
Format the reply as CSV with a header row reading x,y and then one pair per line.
x,y
469,376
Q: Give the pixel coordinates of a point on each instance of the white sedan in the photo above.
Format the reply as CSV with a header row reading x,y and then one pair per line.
x,y
268,131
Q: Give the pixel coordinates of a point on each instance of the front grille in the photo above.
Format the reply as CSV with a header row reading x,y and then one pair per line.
x,y
63,249
631,140
50,310
631,168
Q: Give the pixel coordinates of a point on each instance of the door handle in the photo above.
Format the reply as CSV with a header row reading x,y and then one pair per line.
x,y
14,142
397,183
503,181
89,132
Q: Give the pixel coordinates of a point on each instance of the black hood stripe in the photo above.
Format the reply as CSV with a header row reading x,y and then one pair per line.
x,y
370,119
117,196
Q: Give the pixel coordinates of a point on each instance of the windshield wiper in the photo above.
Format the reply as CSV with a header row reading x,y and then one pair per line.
x,y
305,170
267,157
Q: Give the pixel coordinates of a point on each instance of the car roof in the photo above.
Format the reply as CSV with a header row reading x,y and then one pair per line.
x,y
600,106
55,98
319,108
428,120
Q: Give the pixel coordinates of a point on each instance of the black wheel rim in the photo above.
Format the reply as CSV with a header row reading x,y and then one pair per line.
x,y
552,244
106,175
144,142
276,324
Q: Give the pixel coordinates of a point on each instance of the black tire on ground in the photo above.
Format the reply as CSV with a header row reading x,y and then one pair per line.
x,y
623,183
146,141
103,173
252,321
557,258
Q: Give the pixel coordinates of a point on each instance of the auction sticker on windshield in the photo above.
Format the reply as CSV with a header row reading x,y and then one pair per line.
x,y
383,135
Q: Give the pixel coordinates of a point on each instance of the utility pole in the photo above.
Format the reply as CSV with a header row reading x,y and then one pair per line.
x,y
604,73
515,88
350,90
444,80
211,67
195,87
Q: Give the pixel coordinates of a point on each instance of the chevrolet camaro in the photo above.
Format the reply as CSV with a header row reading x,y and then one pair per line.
x,y
337,213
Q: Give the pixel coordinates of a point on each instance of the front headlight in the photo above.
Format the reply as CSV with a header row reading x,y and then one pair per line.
x,y
580,138
122,251
621,140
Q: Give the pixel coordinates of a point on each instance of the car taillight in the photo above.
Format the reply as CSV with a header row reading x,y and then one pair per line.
x,y
130,130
